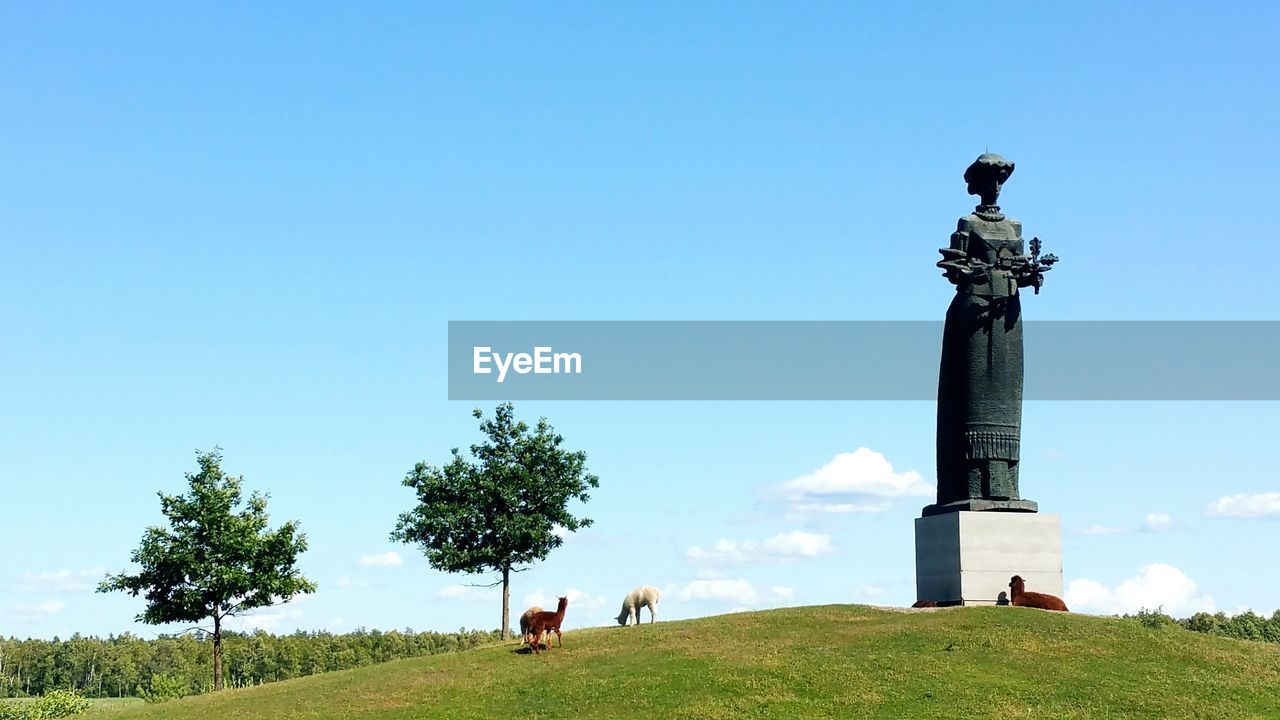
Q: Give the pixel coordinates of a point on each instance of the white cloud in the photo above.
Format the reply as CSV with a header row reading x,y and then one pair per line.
x,y
51,607
861,472
720,590
1246,506
347,582
578,600
38,611
782,592
795,544
584,608
1099,530
560,531
61,581
539,598
391,558
1155,586
739,593
1264,611
270,619
833,508
868,592
583,600
468,593
1159,521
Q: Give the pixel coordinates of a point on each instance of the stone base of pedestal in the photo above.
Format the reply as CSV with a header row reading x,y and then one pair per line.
x,y
968,557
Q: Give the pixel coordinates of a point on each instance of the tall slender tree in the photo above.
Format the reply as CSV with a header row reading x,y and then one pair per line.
x,y
215,560
500,510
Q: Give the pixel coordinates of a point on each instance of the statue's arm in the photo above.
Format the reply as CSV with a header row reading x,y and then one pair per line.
x,y
955,263
1028,275
1023,266
1030,268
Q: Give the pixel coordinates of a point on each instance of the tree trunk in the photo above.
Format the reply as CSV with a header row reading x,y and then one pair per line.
x,y
506,601
217,652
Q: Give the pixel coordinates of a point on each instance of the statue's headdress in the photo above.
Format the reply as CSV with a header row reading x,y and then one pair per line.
x,y
987,174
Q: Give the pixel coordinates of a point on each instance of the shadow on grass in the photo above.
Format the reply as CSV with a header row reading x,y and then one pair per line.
x,y
528,649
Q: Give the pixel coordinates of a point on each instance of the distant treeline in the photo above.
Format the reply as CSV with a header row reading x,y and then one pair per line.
x,y
129,666
1247,625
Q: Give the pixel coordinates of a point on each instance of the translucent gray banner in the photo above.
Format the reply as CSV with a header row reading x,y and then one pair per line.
x,y
890,360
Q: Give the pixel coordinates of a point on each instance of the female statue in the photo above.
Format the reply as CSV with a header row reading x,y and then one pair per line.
x,y
980,382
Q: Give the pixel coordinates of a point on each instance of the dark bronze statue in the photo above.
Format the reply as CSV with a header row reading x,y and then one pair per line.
x,y
980,381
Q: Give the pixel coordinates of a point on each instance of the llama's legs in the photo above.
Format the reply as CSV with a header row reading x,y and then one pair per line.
x,y
653,614
559,638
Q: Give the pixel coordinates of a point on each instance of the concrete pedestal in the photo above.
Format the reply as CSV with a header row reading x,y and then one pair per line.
x,y
968,557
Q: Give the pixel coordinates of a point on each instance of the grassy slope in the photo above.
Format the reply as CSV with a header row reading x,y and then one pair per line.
x,y
810,662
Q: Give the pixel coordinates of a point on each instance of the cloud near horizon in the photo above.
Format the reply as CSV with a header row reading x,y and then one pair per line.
x,y
736,592
274,618
1158,585
63,581
39,611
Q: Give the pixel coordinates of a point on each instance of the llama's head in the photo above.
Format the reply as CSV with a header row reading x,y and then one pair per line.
x,y
564,603
1016,585
623,616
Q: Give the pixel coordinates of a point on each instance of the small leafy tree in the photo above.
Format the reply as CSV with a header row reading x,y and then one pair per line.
x,y
214,560
165,687
500,510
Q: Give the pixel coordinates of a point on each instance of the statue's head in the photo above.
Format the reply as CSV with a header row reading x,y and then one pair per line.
x,y
986,175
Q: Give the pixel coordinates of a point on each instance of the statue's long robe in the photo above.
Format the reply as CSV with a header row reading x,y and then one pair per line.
x,y
980,380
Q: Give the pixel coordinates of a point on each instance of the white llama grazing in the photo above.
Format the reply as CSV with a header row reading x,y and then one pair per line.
x,y
524,622
643,596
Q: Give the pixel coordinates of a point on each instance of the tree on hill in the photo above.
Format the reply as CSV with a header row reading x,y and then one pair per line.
x,y
215,560
500,510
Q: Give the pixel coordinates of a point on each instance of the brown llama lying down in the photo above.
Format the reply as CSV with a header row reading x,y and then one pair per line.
x,y
1019,596
542,623
524,621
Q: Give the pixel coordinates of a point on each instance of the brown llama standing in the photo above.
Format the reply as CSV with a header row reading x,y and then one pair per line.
x,y
541,623
1019,596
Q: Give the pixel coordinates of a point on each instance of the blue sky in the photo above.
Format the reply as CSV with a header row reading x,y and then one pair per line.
x,y
248,226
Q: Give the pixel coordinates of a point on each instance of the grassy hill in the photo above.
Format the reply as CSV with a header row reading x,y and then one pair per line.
x,y
811,662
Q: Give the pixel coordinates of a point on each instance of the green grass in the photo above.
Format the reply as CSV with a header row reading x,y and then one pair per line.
x,y
813,662
98,707
110,707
